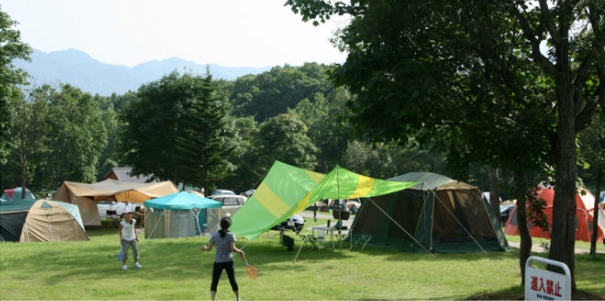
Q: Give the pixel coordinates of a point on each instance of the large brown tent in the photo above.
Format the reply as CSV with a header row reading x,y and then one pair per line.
x,y
50,220
86,195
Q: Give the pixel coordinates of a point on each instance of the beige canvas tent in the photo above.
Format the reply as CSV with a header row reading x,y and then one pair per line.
x,y
86,195
50,220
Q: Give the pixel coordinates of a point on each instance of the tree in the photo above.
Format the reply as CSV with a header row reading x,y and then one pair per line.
x,y
76,139
179,129
271,93
324,119
11,48
284,138
30,130
435,66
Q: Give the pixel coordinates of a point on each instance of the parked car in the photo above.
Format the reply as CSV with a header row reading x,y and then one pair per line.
x,y
222,192
231,202
113,209
295,223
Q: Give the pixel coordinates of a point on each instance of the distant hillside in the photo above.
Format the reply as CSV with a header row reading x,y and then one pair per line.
x,y
80,70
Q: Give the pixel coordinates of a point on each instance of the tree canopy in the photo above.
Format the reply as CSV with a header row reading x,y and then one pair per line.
x,y
470,70
179,129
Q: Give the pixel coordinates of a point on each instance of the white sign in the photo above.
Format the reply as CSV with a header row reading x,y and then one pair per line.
x,y
543,284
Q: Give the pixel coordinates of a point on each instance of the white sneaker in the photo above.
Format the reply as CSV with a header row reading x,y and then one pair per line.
x,y
124,267
137,265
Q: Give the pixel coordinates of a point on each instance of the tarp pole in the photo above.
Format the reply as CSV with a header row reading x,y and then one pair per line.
x,y
398,225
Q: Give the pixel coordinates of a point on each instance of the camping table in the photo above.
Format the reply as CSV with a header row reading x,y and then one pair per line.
x,y
330,231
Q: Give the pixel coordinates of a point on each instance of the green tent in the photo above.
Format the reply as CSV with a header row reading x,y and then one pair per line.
x,y
287,190
438,215
12,218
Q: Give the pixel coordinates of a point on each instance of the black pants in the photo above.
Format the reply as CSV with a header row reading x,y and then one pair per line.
x,y
216,274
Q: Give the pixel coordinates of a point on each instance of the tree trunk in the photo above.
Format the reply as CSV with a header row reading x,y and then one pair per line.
x,y
595,214
526,243
562,247
494,190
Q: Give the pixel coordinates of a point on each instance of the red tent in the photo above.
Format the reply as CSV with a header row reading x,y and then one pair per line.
x,y
584,214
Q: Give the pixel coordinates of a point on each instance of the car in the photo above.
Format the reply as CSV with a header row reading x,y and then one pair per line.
x,y
222,192
231,202
113,209
295,223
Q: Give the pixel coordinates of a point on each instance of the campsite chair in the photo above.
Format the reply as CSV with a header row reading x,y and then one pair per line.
x,y
309,239
363,240
340,238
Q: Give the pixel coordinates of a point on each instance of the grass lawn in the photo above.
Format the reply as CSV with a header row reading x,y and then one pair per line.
x,y
177,269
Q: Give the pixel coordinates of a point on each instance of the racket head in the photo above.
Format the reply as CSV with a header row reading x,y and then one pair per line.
x,y
252,272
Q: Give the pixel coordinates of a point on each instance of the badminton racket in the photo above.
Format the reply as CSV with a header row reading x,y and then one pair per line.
x,y
251,271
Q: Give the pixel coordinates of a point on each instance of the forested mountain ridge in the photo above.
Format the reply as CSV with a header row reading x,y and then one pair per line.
x,y
81,70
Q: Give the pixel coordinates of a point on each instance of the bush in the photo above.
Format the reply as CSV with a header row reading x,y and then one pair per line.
x,y
110,223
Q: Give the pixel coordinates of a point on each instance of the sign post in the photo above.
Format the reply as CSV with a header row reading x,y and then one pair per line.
x,y
543,284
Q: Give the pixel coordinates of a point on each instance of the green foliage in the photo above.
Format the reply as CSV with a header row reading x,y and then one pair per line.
x,y
61,136
179,129
273,92
11,48
284,138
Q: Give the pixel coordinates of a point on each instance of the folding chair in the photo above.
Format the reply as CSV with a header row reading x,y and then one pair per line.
x,y
340,238
309,239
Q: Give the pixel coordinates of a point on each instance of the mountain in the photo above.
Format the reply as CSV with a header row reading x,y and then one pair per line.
x,y
81,70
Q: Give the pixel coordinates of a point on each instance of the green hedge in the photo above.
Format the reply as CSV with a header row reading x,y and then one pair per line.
x,y
110,223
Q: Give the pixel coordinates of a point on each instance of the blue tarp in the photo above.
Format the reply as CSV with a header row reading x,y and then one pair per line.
x,y
182,200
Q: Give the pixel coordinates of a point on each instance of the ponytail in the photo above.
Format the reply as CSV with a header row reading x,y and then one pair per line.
x,y
225,224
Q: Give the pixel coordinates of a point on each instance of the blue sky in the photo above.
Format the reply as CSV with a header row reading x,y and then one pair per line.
x,y
254,33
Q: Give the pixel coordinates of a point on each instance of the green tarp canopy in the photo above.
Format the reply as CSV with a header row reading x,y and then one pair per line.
x,y
287,190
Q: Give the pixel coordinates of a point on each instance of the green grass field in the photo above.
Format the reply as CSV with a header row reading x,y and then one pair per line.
x,y
177,269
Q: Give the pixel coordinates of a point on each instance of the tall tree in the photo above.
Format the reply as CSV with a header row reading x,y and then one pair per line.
x,y
284,138
77,136
439,64
11,48
179,130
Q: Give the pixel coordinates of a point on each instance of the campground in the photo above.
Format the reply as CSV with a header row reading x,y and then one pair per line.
x,y
176,269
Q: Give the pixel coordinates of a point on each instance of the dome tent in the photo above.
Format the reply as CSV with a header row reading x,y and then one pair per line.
x,y
50,220
14,194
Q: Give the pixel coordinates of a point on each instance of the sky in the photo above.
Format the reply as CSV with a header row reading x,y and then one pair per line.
x,y
233,33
